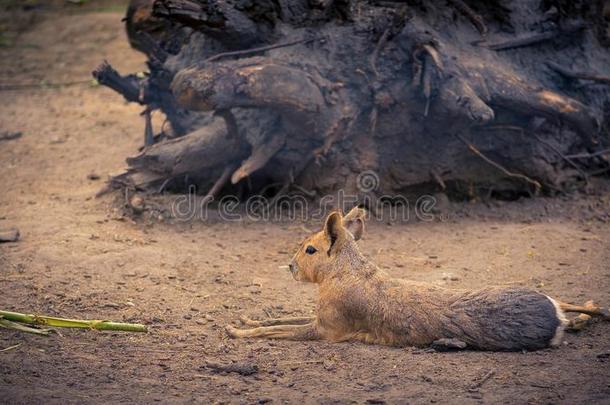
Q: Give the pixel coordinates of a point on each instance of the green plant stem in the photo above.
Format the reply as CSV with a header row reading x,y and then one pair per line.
x,y
5,323
71,323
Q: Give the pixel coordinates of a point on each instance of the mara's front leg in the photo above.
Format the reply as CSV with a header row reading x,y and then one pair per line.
x,y
292,320
291,332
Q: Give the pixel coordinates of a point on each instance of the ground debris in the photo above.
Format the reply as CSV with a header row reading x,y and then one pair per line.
x,y
9,235
475,386
9,136
603,356
239,368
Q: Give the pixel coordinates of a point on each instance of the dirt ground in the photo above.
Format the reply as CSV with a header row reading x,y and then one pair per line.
x,y
79,258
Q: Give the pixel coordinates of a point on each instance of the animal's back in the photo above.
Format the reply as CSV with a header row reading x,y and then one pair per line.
x,y
504,319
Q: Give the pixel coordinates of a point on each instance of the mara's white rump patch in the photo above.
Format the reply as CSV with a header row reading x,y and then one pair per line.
x,y
563,322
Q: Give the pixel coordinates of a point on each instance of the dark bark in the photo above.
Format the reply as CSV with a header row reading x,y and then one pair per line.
x,y
313,93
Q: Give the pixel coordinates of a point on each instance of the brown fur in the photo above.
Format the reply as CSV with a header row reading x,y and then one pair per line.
x,y
360,302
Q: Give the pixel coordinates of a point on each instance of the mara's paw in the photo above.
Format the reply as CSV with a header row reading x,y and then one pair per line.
x,y
232,331
602,312
247,321
578,323
448,345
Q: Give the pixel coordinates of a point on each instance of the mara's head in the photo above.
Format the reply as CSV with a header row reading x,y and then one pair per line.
x,y
317,255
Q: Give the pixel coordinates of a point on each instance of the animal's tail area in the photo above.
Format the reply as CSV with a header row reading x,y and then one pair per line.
x,y
563,323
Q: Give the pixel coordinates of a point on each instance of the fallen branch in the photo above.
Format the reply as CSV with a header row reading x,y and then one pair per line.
x,y
477,152
70,323
572,74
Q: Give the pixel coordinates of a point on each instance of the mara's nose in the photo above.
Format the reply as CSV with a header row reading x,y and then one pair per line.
x,y
291,267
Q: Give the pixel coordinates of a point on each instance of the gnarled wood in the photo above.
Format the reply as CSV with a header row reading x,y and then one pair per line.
x,y
325,90
259,157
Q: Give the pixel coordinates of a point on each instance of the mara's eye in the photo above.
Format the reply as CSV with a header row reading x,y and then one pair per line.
x,y
310,250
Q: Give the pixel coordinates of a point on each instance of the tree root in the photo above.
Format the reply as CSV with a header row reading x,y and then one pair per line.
x,y
218,185
330,111
474,18
256,83
259,157
127,86
582,75
498,166
207,148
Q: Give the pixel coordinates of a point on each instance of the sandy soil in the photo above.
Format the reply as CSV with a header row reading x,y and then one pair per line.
x,y
79,258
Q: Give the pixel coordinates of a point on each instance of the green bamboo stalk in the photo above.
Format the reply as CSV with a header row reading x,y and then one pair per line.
x,y
5,323
71,323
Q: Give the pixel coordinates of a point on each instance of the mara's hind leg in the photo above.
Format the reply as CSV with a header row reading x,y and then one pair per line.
x,y
292,320
578,323
291,332
589,309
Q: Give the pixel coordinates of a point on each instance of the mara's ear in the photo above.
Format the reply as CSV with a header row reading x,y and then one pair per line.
x,y
354,222
334,231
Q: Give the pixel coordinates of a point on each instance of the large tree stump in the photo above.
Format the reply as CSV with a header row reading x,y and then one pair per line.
x,y
465,96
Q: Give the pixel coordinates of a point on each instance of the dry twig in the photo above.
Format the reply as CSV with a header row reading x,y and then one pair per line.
x,y
260,49
573,74
477,152
482,381
474,17
564,157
